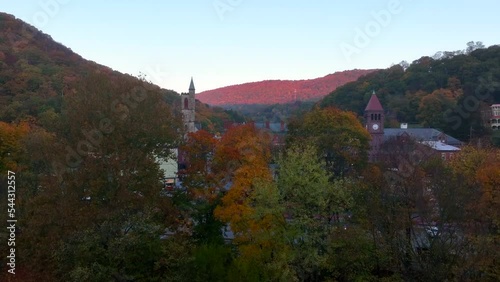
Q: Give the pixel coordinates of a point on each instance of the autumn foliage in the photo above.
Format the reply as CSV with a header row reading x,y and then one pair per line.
x,y
90,205
341,138
198,176
243,155
279,91
11,147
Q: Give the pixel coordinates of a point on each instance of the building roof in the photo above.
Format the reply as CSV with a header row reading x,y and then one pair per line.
x,y
440,146
421,134
374,104
191,85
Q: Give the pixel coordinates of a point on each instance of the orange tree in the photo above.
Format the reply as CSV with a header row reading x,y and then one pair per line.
x,y
241,157
224,178
251,206
10,145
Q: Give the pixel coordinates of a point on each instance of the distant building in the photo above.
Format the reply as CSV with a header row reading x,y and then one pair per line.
x,y
188,103
423,135
495,117
188,109
374,118
445,151
277,131
170,169
442,144
172,166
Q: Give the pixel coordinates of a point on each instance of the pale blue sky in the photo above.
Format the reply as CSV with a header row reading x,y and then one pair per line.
x,y
225,42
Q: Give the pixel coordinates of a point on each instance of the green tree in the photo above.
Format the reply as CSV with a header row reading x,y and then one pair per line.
x,y
433,106
269,251
103,170
342,141
313,206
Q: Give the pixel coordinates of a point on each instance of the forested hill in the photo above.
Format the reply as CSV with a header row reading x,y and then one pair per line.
x,y
451,91
36,72
279,91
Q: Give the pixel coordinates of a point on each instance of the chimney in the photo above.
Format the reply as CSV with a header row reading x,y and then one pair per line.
x,y
404,125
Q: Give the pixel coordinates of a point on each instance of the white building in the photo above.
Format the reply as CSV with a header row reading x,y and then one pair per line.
x,y
495,117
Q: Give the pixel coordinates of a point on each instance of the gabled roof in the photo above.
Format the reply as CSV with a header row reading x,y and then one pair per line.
x,y
374,104
191,85
421,134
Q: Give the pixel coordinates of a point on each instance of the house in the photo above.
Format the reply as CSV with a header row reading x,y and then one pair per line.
x,y
495,117
170,169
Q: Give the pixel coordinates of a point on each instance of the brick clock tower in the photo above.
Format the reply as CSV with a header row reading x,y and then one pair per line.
x,y
374,118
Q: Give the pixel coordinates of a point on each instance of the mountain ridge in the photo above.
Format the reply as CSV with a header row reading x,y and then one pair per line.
x,y
36,72
276,91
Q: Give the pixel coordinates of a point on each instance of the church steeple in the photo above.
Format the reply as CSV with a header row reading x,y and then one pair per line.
x,y
188,108
191,85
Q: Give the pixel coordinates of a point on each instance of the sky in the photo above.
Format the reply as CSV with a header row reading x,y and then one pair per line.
x,y
227,42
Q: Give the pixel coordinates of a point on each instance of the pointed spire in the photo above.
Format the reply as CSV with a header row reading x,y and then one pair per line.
x,y
374,103
191,85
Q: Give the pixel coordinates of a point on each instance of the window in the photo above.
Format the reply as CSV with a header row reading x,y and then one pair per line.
x,y
496,111
186,103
